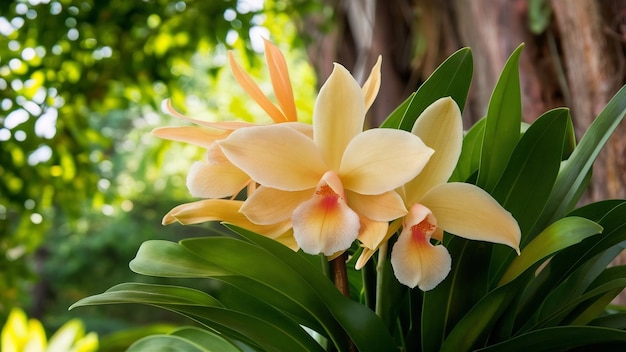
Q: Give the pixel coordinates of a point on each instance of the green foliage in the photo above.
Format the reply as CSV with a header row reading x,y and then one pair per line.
x,y
554,296
81,82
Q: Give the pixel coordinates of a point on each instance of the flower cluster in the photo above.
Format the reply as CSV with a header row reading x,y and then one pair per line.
x,y
321,187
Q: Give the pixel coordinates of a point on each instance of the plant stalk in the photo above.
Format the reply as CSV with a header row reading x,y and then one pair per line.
x,y
340,278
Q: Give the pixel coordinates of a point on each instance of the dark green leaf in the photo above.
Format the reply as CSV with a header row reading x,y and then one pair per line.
x,y
562,234
575,170
452,78
469,160
564,338
503,125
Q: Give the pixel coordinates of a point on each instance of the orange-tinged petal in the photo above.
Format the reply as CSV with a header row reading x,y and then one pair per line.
x,y
215,180
372,84
382,159
254,91
199,136
279,74
220,210
465,210
415,261
269,205
440,127
167,108
276,156
381,207
371,243
372,233
325,223
338,115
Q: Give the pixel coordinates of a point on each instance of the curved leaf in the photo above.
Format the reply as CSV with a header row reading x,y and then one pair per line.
x,y
452,78
207,339
168,259
562,234
564,338
150,294
503,125
469,160
574,171
308,286
165,343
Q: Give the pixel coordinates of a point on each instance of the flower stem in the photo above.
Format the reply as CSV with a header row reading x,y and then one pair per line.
x,y
340,274
340,278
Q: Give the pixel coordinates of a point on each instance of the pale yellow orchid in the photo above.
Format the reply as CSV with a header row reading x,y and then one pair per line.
x,y
336,185
216,176
435,206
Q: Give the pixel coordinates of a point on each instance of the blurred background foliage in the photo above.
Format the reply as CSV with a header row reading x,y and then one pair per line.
x,y
83,183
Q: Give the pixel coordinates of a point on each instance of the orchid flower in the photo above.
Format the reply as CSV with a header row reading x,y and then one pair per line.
x,y
336,185
436,206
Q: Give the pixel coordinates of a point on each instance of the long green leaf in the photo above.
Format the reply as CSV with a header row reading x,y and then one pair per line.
x,y
528,178
466,284
168,259
469,160
150,294
564,338
279,270
358,321
575,170
562,234
610,215
503,125
209,340
452,78
165,343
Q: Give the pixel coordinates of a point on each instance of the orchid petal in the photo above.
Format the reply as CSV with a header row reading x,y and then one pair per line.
x,y
166,107
269,205
415,261
440,126
199,136
220,210
215,180
338,115
279,74
372,233
381,207
371,244
382,159
468,211
325,223
372,84
254,91
276,156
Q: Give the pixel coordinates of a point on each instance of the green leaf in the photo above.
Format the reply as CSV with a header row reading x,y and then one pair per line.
x,y
529,177
531,172
452,78
564,338
502,129
585,258
150,294
207,339
363,326
475,325
575,170
445,305
169,259
293,278
469,160
165,343
562,234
